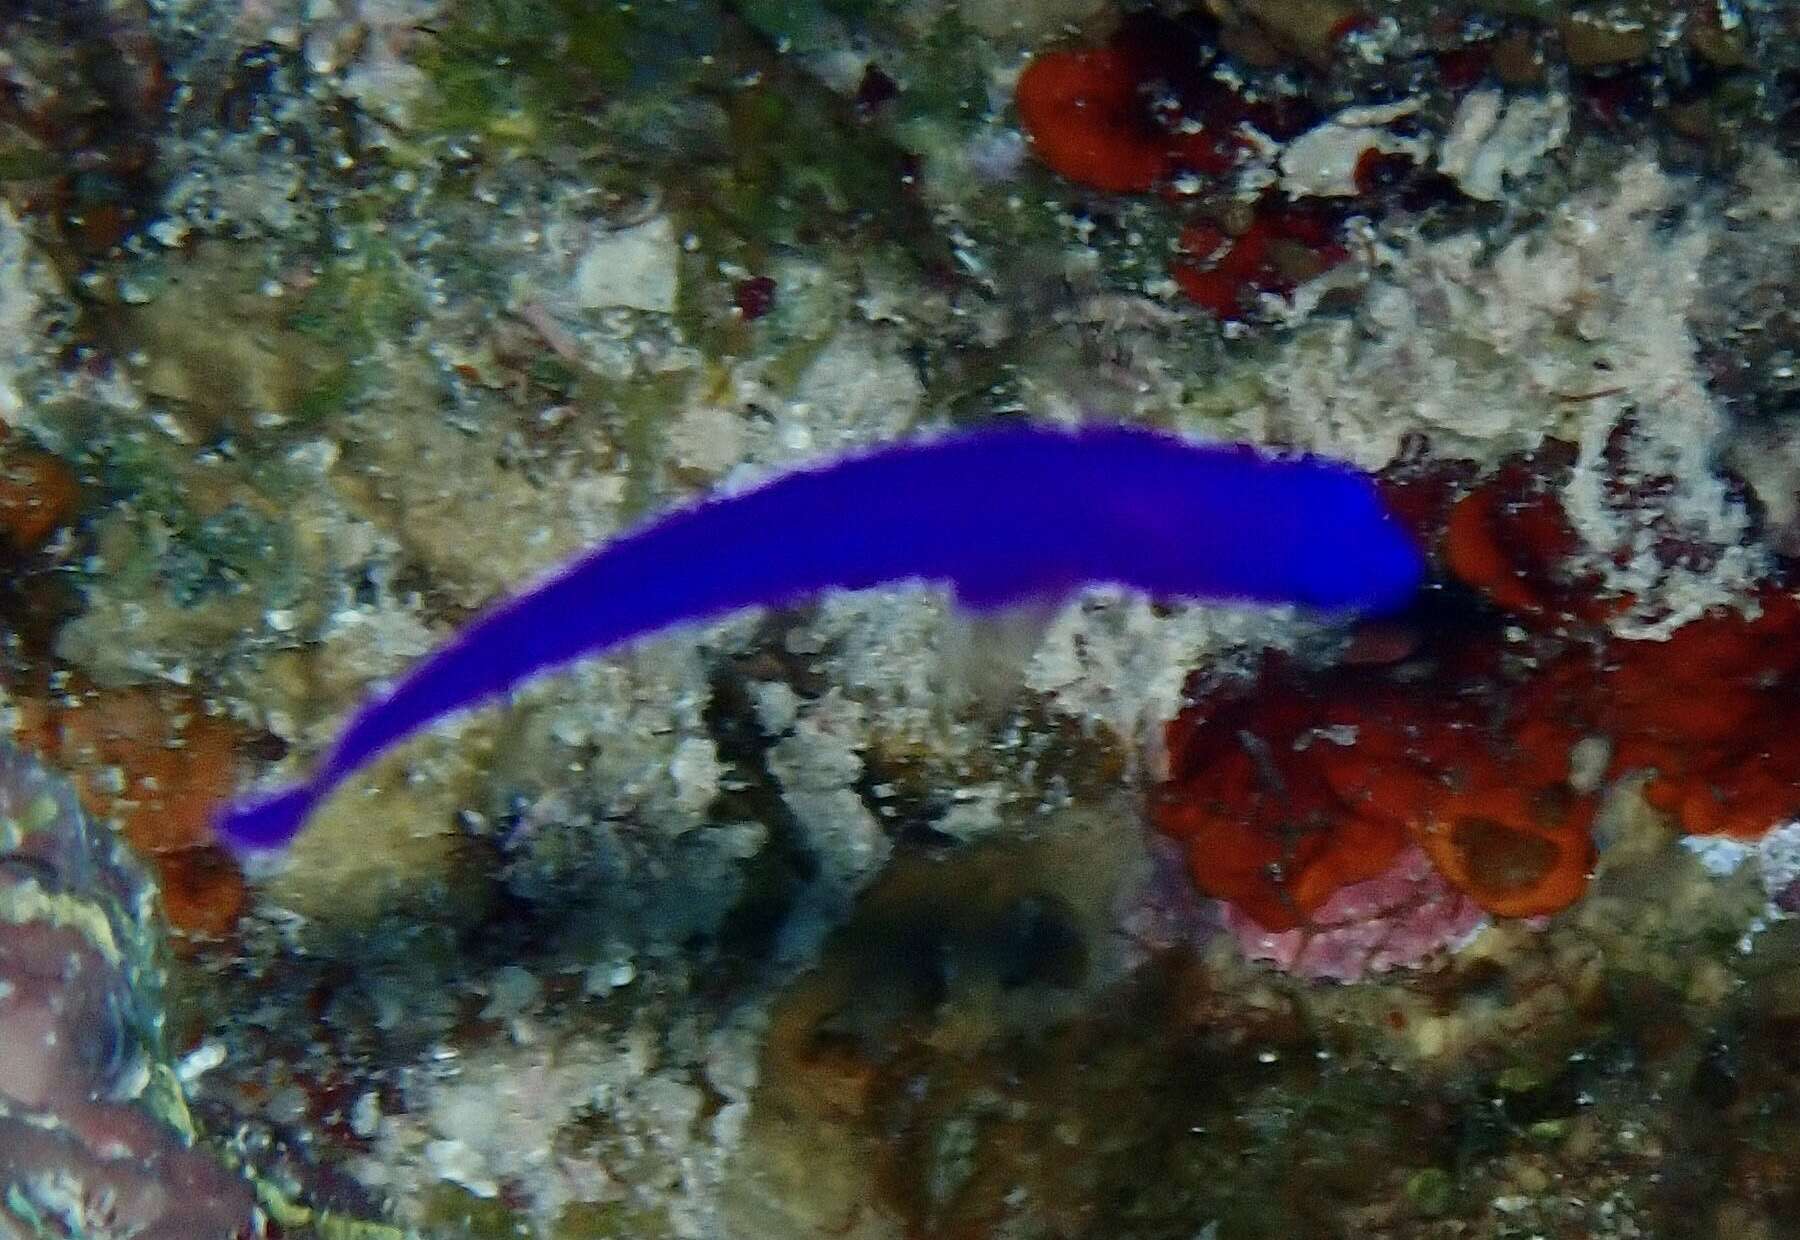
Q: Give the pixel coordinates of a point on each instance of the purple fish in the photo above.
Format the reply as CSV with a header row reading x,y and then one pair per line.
x,y
1002,516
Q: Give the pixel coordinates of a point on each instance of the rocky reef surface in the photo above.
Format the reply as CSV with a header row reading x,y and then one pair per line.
x,y
95,1136
325,325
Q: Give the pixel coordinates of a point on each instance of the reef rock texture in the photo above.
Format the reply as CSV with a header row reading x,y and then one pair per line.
x,y
325,325
94,1134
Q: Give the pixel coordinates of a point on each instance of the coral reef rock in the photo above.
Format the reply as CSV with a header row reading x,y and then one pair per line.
x,y
95,1138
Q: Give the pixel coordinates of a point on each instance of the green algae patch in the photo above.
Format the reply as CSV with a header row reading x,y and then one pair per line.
x,y
800,159
228,347
188,558
526,72
806,26
26,163
361,296
453,1213
795,171
609,1220
1431,1191
296,1218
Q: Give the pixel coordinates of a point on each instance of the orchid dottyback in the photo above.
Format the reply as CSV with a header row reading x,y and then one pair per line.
x,y
1003,516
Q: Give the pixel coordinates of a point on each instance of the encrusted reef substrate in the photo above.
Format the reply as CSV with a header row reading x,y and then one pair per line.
x,y
1546,1078
95,1136
322,328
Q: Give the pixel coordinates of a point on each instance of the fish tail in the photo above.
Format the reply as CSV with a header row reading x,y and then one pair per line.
x,y
266,822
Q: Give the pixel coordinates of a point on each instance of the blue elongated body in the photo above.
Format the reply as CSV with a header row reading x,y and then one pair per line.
x,y
1003,516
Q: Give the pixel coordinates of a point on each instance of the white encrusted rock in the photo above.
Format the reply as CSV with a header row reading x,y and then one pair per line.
x,y
631,268
1493,140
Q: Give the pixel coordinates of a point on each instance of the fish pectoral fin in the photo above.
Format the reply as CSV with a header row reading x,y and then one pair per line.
x,y
986,653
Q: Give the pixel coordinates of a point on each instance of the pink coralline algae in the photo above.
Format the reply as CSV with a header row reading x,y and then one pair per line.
x,y
94,1133
1406,917
1401,919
